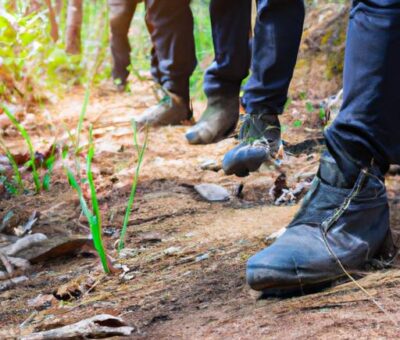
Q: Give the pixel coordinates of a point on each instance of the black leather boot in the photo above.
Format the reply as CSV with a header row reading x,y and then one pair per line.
x,y
260,139
218,120
339,225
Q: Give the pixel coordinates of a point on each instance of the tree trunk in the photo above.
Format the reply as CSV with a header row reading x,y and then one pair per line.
x,y
53,21
59,6
74,24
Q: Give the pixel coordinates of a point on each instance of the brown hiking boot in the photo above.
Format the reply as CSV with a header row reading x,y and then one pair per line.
x,y
217,122
171,110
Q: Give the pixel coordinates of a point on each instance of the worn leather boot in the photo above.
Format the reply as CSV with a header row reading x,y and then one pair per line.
x,y
260,139
218,120
340,227
171,110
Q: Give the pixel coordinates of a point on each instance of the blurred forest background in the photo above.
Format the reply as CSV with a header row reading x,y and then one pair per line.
x,y
46,46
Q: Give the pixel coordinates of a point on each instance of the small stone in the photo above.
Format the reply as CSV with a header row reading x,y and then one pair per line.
x,y
202,257
210,164
172,250
42,301
150,237
128,252
128,276
212,192
110,231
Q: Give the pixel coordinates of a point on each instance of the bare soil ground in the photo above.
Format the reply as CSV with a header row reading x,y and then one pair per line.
x,y
187,256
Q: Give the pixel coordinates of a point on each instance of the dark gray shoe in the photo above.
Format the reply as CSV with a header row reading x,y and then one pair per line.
x,y
336,226
217,122
260,139
171,110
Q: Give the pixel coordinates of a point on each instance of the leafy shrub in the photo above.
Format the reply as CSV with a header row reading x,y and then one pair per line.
x,y
31,64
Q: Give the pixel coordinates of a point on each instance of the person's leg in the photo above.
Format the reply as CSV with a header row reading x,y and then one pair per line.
x,y
276,42
121,13
231,25
231,29
344,219
367,127
170,23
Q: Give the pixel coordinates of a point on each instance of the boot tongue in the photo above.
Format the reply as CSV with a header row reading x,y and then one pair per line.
x,y
330,173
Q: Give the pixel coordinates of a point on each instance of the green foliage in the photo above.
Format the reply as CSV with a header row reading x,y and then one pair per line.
x,y
49,166
204,46
140,152
309,107
27,138
297,123
322,113
81,118
93,216
29,59
36,67
17,174
9,186
289,102
48,163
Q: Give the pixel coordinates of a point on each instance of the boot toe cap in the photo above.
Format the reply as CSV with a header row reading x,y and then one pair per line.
x,y
244,159
199,134
268,270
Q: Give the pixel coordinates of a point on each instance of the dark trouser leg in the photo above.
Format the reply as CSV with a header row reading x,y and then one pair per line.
x,y
170,23
340,228
276,42
368,125
121,13
231,24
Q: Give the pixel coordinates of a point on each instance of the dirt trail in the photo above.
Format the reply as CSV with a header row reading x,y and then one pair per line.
x,y
187,256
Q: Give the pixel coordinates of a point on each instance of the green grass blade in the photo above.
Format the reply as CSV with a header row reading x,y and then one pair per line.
x,y
74,184
82,117
49,165
96,226
132,195
28,141
14,165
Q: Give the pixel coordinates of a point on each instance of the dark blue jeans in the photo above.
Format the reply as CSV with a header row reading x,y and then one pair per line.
x,y
170,24
277,36
231,29
275,46
368,127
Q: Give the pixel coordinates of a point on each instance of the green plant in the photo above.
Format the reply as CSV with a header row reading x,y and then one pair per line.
x,y
289,102
297,123
309,107
31,63
28,141
140,152
81,118
322,114
17,173
93,216
49,166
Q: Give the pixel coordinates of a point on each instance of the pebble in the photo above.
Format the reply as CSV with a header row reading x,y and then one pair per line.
x,y
172,250
202,257
210,164
128,252
212,192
